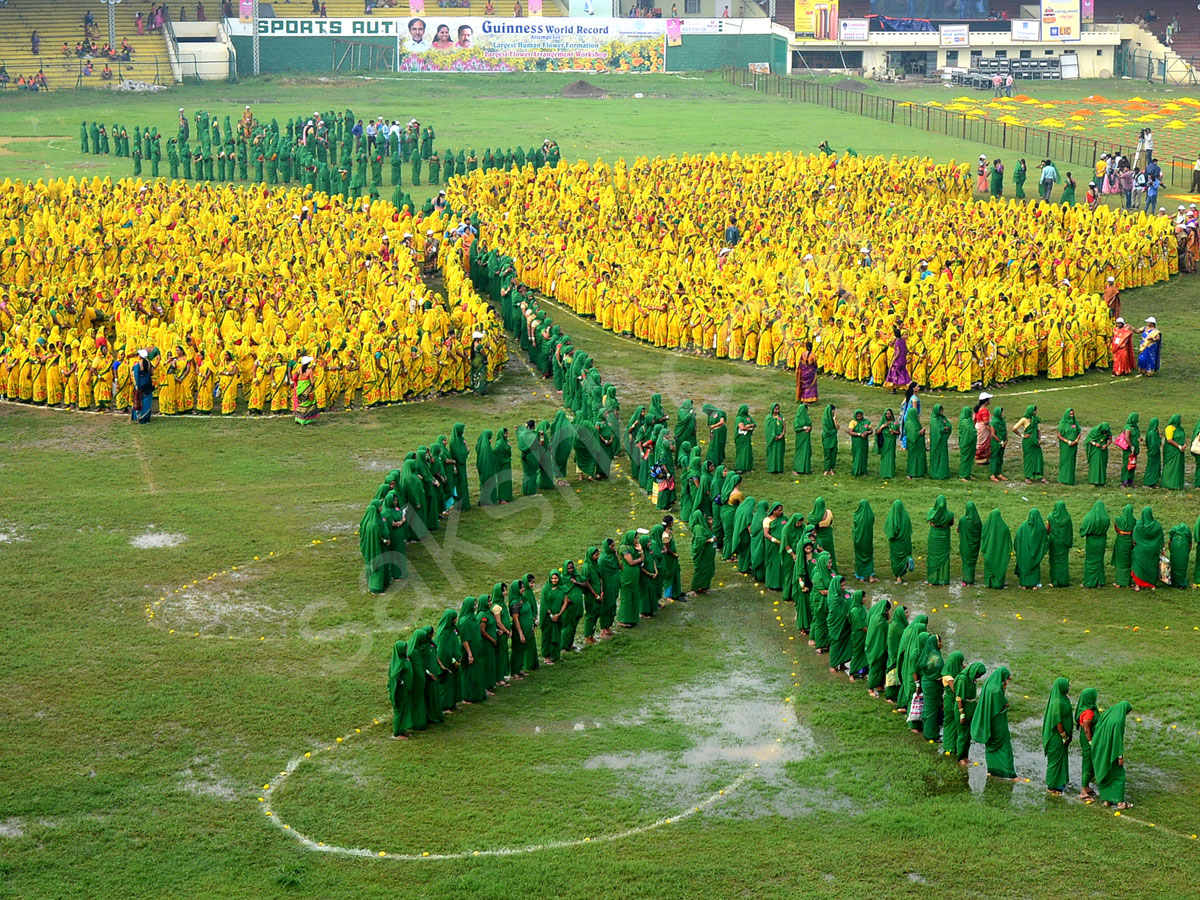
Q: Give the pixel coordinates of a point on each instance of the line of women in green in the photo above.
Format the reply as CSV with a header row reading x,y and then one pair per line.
x,y
983,437
896,656
503,636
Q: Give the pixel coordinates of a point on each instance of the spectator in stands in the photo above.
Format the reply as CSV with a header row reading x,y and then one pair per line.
x,y
518,10
42,83
324,14
106,73
88,19
4,77
140,23
35,43
725,12
489,9
1151,15
200,14
316,7
87,68
183,14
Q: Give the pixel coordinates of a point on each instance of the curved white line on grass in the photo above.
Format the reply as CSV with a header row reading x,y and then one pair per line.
x,y
365,853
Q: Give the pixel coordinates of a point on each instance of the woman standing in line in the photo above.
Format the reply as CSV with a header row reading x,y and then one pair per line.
x,y
990,725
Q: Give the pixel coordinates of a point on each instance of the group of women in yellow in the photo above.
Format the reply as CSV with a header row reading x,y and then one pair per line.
x,y
979,442
227,290
829,256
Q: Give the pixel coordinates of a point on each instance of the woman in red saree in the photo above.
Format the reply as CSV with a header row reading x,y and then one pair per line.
x,y
1122,348
983,429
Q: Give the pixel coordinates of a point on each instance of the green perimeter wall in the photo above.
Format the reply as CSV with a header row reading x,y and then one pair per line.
x,y
697,52
297,54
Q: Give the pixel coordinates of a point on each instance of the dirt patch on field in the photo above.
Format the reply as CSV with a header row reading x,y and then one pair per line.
x,y
582,89
5,150
850,84
152,540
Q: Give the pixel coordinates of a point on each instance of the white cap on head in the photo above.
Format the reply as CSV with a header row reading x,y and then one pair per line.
x,y
983,156
477,334
1120,321
865,249
984,395
1111,279
144,354
1152,320
305,360
806,256
1162,209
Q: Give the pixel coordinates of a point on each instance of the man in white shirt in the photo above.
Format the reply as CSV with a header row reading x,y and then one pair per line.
x,y
1195,189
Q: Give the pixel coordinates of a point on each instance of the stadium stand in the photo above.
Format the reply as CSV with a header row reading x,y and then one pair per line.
x,y
349,9
1186,43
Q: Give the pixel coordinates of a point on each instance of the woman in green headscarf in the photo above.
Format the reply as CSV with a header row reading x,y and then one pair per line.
x,y
1132,435
772,528
553,604
788,554
650,583
1094,531
1033,461
966,443
829,439
1108,754
685,426
664,459
776,435
1195,456
470,639
950,726
821,578
485,464
1086,714
914,438
502,457
802,427
937,547
704,552
718,430
1174,445
895,634
908,659
1057,728
1179,550
1029,544
373,544
806,558
875,645
562,442
609,566
740,534
630,556
837,608
821,521
998,444
886,436
989,726
758,542
459,453
1196,542
576,585
857,617
860,443
1097,453
1153,442
1068,447
1060,539
396,528
966,698
939,444
1122,551
504,628
970,530
864,541
897,528
523,655
743,440
422,677
731,502
400,676
996,545
448,644
929,669
689,495
1147,548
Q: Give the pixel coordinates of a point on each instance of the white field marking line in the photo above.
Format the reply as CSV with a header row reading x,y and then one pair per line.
x,y
1073,387
364,853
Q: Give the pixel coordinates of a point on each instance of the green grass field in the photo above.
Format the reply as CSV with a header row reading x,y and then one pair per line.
x,y
185,617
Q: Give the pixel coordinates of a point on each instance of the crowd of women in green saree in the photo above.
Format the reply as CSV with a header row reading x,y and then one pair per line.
x,y
506,634
905,445
895,655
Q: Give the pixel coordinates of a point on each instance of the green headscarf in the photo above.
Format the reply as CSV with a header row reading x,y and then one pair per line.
x,y
1030,542
1135,433
898,526
802,419
954,664
1058,712
1067,426
996,542
817,514
399,657
1087,700
1061,532
828,429
939,516
1096,522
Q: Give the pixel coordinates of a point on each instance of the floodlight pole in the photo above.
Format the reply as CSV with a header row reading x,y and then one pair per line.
x,y
254,36
112,21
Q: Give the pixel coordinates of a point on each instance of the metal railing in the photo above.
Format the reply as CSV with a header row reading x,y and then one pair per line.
x,y
1060,146
1163,68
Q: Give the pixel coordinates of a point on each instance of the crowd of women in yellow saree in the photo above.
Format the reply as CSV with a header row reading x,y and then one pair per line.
x,y
897,657
753,257
227,288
